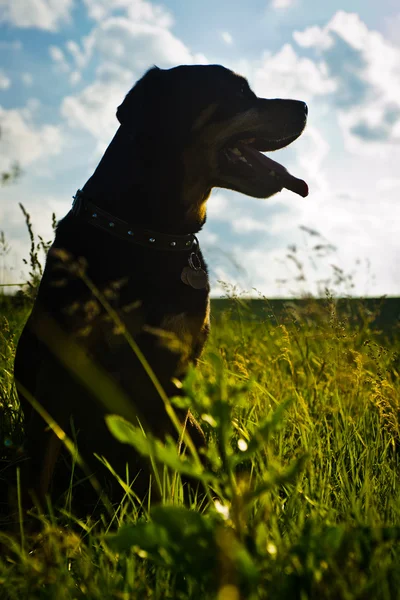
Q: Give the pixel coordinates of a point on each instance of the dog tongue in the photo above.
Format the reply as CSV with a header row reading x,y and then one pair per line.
x,y
283,177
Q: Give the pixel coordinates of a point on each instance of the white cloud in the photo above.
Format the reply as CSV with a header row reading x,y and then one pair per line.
x,y
79,55
5,81
94,108
248,215
58,56
349,75
40,207
387,184
23,141
41,14
208,237
362,253
227,38
75,77
138,45
134,41
366,70
139,11
286,74
27,79
391,29
314,150
279,4
126,48
314,37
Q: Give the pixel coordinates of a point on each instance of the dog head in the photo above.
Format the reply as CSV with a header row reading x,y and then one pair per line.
x,y
205,123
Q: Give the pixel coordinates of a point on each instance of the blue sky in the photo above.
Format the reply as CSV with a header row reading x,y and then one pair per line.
x,y
65,65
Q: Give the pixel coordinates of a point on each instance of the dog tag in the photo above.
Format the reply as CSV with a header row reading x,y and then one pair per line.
x,y
184,275
196,279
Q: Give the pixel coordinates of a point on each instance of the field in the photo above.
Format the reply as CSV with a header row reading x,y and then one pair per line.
x,y
302,416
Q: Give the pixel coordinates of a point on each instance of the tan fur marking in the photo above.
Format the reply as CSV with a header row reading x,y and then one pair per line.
x,y
189,330
204,116
201,158
220,133
178,324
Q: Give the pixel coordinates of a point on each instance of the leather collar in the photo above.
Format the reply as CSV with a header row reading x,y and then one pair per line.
x,y
85,209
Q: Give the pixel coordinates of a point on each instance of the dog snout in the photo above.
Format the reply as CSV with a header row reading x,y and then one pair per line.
x,y
279,107
298,108
303,108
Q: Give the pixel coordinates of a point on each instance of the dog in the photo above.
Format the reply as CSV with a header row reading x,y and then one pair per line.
x,y
126,269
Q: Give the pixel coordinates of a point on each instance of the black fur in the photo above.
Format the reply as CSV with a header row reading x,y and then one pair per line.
x,y
157,173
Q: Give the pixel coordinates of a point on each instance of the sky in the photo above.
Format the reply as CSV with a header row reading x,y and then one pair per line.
x,y
65,66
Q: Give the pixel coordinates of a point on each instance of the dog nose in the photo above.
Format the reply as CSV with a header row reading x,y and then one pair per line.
x,y
305,108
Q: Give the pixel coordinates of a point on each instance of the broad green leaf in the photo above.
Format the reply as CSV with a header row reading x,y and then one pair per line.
x,y
151,447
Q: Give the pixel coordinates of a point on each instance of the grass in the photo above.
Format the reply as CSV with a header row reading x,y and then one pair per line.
x,y
303,500
303,421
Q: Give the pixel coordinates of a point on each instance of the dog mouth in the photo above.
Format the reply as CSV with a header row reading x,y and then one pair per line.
x,y
244,158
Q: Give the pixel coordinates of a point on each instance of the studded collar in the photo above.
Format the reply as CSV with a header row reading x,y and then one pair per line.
x,y
85,209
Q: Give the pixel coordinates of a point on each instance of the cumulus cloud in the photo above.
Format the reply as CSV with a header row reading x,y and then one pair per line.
x,y
79,57
392,29
93,110
227,38
286,74
27,79
58,56
386,184
366,70
126,46
279,4
5,81
314,151
347,73
350,78
135,10
263,264
79,54
24,141
136,45
40,14
313,37
249,217
40,206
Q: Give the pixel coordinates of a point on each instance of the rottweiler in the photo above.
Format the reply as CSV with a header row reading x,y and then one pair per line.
x,y
123,306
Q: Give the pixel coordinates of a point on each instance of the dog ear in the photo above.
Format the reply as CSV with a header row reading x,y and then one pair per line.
x,y
137,99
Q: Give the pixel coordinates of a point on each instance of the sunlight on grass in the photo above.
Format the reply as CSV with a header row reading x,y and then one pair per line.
x,y
303,424
301,412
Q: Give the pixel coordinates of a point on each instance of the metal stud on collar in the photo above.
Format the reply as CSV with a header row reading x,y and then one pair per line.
x,y
85,209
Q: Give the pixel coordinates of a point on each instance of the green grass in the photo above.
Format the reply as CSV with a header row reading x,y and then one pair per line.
x,y
303,424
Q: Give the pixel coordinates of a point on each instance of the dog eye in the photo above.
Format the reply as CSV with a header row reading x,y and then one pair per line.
x,y
244,91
